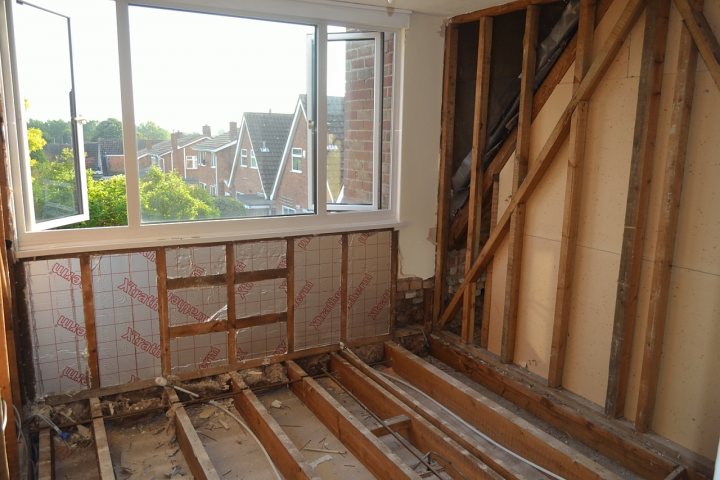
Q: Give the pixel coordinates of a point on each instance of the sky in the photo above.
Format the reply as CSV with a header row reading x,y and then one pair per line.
x,y
189,69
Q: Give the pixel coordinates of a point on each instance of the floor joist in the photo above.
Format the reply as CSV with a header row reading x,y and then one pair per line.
x,y
285,455
45,456
105,466
424,436
372,452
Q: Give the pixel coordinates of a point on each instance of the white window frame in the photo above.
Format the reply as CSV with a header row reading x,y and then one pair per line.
x,y
213,160
288,210
193,162
201,159
243,157
253,159
296,153
213,190
137,234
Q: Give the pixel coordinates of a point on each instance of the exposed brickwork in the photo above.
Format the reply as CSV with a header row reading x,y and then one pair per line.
x,y
246,179
413,302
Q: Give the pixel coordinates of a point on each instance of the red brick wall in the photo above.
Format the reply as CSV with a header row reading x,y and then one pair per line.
x,y
293,188
246,180
358,142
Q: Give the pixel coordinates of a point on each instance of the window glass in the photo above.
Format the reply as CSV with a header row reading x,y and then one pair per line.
x,y
203,111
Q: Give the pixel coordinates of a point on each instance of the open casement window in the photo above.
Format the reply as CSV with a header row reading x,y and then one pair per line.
x,y
359,96
52,170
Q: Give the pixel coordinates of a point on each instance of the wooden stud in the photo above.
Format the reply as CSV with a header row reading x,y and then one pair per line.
x,y
604,58
290,293
89,314
231,307
190,444
494,457
394,277
163,310
487,291
196,282
191,329
46,470
705,40
501,424
344,267
421,433
641,454
446,149
571,205
497,10
260,275
638,198
102,449
372,452
680,472
667,229
285,455
482,95
520,167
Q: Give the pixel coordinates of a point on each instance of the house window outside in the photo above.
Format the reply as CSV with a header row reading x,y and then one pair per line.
x,y
297,154
213,160
213,190
144,96
288,210
203,186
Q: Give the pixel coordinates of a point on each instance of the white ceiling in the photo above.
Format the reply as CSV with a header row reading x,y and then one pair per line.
x,y
445,8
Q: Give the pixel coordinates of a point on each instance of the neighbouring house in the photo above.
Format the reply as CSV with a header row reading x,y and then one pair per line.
x,y
175,154
214,160
259,153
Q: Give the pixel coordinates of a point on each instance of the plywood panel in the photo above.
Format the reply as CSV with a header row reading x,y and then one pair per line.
x,y
537,303
499,274
591,320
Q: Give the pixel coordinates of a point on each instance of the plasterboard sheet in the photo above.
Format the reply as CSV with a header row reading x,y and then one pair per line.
x,y
197,305
262,341
268,255
126,317
260,298
198,352
59,348
318,267
369,292
195,261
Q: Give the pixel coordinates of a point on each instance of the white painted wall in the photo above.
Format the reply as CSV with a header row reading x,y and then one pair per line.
x,y
419,131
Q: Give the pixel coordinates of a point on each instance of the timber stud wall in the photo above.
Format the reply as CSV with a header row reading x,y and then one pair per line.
x,y
563,335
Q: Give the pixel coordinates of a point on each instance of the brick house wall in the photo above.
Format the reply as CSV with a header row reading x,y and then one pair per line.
x,y
359,105
246,179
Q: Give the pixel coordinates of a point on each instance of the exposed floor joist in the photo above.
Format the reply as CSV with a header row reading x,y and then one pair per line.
x,y
45,456
105,466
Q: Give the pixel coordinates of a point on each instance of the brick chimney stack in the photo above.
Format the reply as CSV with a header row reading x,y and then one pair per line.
x,y
233,130
174,139
206,131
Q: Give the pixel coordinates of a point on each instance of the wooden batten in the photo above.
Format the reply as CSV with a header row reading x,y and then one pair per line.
x,y
286,457
638,199
102,449
482,95
644,455
487,294
667,229
260,275
230,292
190,444
602,61
571,205
499,423
446,150
498,10
371,451
394,267
89,315
163,310
46,470
196,282
421,433
702,33
290,293
344,266
520,168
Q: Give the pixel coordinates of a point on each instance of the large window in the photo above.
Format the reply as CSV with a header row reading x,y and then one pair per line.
x,y
74,67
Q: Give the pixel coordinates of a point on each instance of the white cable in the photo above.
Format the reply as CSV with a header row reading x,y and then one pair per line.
x,y
247,429
473,428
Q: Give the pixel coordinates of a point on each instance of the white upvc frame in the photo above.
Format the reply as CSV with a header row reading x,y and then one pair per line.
x,y
293,157
139,235
243,157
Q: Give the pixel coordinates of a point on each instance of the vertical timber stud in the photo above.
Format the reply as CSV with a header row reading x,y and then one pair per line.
x,y
520,168
706,42
487,291
446,150
231,313
667,229
393,278
163,312
290,293
89,314
648,104
344,288
482,95
573,186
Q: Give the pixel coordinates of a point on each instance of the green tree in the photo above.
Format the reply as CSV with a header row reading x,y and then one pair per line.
x,y
89,128
166,197
151,131
36,143
110,128
53,185
229,207
54,131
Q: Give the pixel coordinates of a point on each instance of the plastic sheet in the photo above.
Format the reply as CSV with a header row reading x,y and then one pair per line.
x,y
126,317
317,290
198,352
57,326
369,287
186,262
261,341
